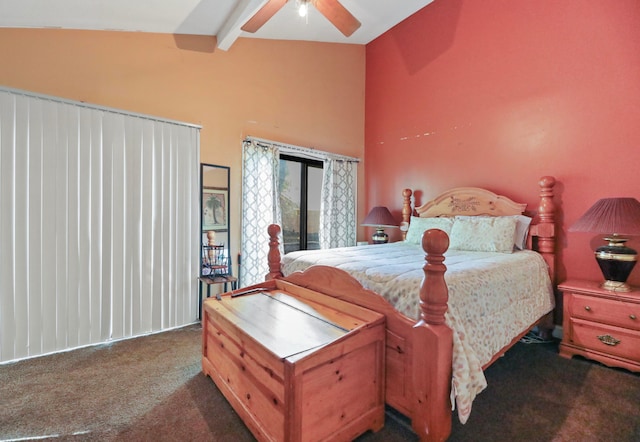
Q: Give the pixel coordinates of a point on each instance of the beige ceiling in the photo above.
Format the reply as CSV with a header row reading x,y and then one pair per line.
x,y
222,18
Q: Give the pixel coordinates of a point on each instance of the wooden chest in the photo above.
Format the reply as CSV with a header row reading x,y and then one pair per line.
x,y
296,365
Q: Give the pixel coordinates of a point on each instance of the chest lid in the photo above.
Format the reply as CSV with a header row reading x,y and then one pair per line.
x,y
281,323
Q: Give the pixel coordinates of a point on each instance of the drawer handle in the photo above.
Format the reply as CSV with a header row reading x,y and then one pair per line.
x,y
608,340
632,316
587,308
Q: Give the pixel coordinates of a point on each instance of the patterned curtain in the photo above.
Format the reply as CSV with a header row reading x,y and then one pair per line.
x,y
261,202
338,205
260,207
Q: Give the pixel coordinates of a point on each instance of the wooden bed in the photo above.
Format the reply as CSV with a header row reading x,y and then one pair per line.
x,y
418,369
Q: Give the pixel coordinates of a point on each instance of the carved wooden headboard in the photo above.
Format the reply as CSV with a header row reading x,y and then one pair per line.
x,y
467,201
476,201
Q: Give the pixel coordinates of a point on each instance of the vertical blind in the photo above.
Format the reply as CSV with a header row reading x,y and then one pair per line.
x,y
99,224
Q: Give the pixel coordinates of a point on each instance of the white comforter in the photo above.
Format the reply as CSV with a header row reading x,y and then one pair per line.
x,y
493,297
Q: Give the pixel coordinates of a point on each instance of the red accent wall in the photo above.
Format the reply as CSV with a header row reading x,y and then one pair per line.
x,y
499,93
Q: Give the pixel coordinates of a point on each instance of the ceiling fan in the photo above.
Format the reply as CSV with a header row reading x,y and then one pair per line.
x,y
331,9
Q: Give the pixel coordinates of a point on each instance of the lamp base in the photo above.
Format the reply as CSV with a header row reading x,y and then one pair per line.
x,y
616,262
616,286
380,237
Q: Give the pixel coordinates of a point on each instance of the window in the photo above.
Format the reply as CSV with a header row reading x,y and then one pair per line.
x,y
300,196
331,180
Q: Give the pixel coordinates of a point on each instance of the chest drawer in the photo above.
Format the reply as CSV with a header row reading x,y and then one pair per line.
x,y
606,311
614,341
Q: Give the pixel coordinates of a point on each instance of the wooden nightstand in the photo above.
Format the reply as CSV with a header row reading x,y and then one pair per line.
x,y
601,325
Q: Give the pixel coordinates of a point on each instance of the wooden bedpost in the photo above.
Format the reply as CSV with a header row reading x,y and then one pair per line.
x,y
544,233
407,211
274,257
544,229
433,345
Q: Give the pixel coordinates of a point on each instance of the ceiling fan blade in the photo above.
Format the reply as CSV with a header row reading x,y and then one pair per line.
x,y
338,15
263,15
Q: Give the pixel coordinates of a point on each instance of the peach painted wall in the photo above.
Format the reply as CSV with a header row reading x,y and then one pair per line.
x,y
497,93
308,94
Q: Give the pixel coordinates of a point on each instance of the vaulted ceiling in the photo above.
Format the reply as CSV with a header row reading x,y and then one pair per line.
x,y
220,18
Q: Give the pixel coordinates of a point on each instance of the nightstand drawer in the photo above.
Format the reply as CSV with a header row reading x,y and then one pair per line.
x,y
613,341
607,311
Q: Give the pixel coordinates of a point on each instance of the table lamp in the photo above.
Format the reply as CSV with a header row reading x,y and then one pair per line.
x,y
380,218
615,217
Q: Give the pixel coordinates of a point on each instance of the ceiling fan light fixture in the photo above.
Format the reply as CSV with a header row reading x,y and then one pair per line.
x,y
332,10
303,8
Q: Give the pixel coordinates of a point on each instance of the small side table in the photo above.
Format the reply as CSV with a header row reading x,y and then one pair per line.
x,y
213,280
600,324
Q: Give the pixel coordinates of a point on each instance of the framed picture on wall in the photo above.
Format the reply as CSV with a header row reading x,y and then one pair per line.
x,y
215,205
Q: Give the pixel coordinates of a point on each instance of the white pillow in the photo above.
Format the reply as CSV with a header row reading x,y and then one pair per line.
x,y
522,230
419,225
483,233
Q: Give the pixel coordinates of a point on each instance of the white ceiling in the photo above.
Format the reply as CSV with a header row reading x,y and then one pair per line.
x,y
222,18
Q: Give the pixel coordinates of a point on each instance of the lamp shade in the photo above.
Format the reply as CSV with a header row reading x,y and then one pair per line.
x,y
380,217
611,215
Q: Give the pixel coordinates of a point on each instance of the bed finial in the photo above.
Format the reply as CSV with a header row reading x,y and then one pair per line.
x,y
547,207
407,211
434,293
274,252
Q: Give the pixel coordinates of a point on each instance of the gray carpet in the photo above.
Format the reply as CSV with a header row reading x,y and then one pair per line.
x,y
152,389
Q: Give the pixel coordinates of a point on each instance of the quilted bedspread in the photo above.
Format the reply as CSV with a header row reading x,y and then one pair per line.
x,y
493,297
